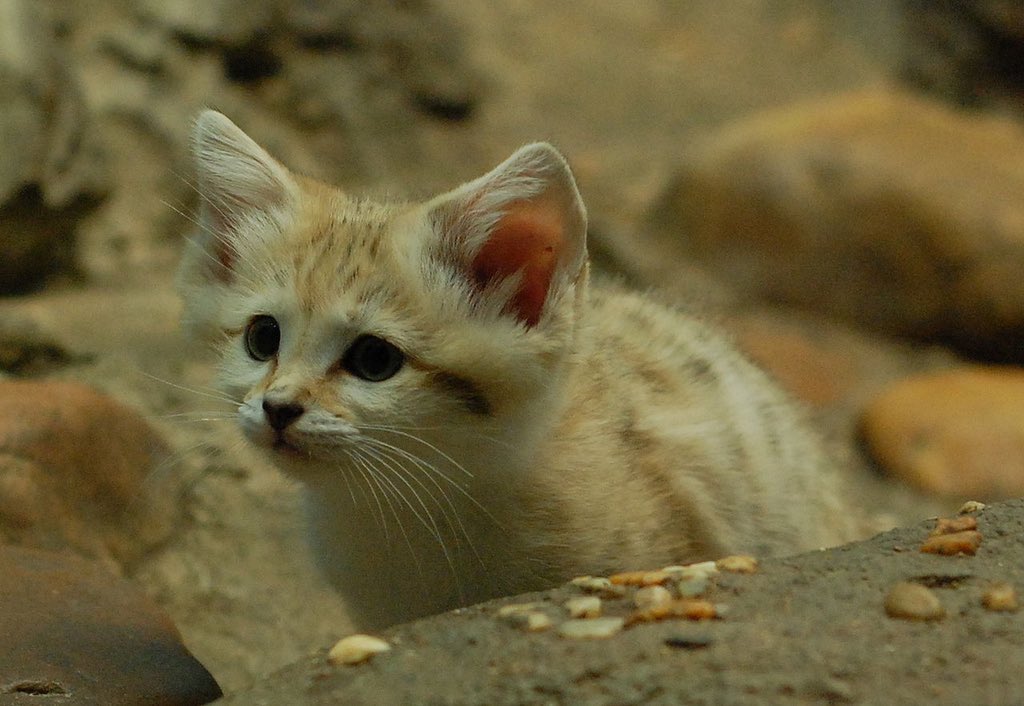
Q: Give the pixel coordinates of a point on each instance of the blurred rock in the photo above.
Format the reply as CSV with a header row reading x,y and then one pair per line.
x,y
814,369
959,433
26,349
970,52
875,207
49,171
24,46
353,92
222,21
72,631
417,44
79,470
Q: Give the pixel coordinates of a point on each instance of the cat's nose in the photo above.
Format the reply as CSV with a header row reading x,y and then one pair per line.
x,y
280,415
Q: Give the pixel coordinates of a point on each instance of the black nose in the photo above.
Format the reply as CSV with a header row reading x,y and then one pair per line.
x,y
280,415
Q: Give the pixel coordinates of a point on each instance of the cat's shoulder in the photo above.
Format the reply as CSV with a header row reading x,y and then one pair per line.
x,y
616,309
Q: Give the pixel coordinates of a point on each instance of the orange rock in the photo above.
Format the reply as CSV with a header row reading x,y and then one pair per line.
x,y
804,367
75,472
958,433
952,525
70,629
639,578
685,608
966,542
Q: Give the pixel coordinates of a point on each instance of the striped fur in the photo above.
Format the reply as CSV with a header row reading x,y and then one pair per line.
x,y
518,446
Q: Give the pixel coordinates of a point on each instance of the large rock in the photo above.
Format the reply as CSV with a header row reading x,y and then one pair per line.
x,y
810,629
74,633
958,433
79,470
876,207
49,174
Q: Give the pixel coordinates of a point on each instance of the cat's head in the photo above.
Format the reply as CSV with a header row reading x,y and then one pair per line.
x,y
337,317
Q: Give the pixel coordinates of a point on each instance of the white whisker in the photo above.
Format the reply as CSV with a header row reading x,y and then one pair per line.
x,y
418,440
212,394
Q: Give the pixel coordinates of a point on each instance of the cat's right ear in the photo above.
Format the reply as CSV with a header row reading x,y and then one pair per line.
x,y
241,188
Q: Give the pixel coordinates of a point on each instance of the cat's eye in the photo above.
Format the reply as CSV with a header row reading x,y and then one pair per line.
x,y
372,358
262,337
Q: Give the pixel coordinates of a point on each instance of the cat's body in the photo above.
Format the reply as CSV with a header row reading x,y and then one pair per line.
x,y
469,417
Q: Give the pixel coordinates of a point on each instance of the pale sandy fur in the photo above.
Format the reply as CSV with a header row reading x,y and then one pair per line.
x,y
613,433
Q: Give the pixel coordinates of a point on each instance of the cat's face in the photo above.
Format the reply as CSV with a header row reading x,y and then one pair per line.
x,y
352,330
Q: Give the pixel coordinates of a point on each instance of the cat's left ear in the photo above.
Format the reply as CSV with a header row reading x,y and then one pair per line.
x,y
524,220
241,188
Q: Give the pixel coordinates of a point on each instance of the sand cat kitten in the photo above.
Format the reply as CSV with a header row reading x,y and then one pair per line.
x,y
469,417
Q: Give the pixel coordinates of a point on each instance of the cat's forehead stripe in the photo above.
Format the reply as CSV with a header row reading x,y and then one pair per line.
x,y
336,252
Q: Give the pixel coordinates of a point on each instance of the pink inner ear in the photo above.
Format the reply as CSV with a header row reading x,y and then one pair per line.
x,y
529,239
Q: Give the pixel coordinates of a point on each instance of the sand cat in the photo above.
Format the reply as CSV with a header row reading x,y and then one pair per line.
x,y
470,416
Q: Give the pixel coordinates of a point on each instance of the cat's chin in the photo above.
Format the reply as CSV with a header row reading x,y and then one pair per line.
x,y
296,461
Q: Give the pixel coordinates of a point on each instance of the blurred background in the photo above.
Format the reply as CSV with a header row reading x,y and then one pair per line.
x,y
840,184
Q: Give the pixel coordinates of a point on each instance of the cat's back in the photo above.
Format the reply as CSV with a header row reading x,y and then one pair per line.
x,y
698,447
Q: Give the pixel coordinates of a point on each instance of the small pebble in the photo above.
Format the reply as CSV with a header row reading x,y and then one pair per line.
x,y
912,601
584,607
705,569
651,597
516,608
693,586
525,616
534,621
971,506
599,585
639,578
1001,597
356,649
590,628
679,608
966,542
944,525
738,563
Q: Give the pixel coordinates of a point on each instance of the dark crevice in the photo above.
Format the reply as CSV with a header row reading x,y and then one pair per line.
x,y
453,110
251,62
36,688
45,245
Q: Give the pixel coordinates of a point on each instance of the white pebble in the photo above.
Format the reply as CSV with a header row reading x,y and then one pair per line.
x,y
356,649
599,585
703,569
584,607
590,628
652,597
525,616
971,506
516,608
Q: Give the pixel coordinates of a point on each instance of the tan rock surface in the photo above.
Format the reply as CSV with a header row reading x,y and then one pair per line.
x,y
874,206
810,629
959,433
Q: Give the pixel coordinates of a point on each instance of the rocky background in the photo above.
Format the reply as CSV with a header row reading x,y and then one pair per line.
x,y
839,184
